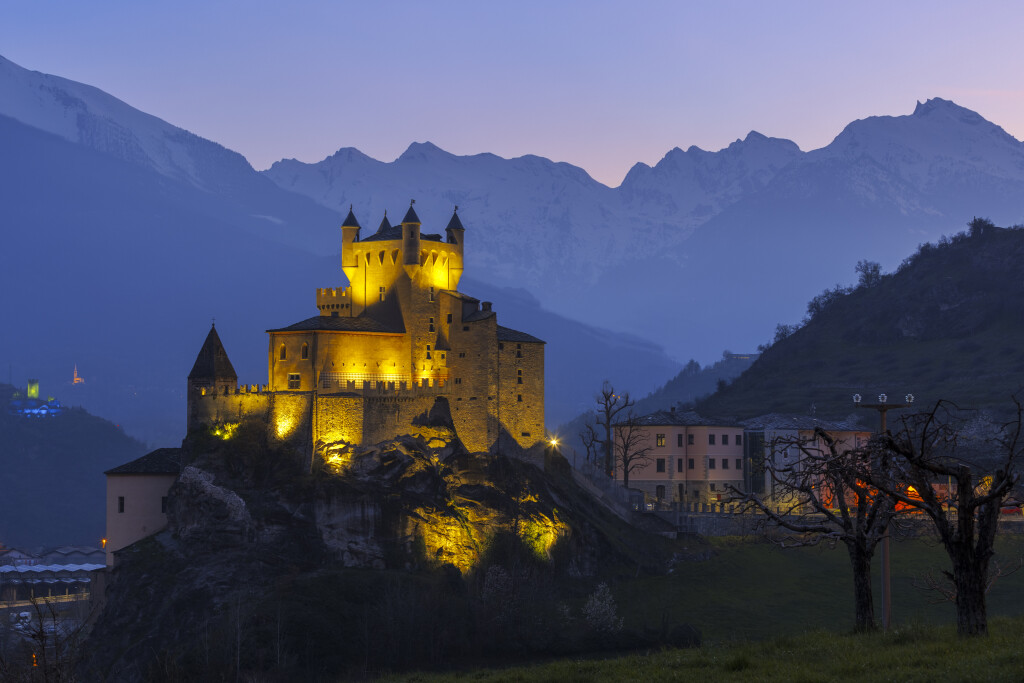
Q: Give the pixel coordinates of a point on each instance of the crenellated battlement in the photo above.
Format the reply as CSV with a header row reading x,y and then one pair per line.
x,y
333,301
239,389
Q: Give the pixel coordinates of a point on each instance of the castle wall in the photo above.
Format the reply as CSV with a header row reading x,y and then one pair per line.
x,y
234,406
521,398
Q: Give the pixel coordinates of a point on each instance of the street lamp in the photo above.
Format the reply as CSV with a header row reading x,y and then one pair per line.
x,y
884,407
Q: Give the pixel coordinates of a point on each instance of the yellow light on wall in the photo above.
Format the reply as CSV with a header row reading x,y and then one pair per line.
x,y
284,426
225,430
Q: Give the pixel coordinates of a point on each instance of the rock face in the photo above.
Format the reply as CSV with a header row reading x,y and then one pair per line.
x,y
245,520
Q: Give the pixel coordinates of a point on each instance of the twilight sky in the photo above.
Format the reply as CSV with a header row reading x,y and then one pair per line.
x,y
598,84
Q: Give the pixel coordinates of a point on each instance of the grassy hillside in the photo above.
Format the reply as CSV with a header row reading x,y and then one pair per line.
x,y
52,486
946,324
782,615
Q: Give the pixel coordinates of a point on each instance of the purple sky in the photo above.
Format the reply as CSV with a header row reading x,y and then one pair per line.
x,y
598,84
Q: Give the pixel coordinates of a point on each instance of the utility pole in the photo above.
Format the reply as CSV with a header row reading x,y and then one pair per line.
x,y
884,407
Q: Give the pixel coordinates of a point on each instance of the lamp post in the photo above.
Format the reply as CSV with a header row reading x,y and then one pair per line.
x,y
883,407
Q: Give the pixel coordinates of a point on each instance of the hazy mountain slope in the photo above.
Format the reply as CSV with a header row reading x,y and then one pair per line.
x,y
706,249
88,116
51,474
944,326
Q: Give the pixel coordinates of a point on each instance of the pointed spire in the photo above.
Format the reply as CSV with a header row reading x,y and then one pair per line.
x,y
350,219
384,224
212,363
455,223
410,215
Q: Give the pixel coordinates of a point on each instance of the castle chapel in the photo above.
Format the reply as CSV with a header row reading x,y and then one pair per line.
x,y
396,343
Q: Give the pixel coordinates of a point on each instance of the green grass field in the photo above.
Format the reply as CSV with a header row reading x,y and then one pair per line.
x,y
773,614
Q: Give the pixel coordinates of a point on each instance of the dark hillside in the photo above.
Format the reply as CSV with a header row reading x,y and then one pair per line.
x,y
947,324
52,486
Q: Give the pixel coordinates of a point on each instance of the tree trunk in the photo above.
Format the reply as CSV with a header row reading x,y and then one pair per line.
x,y
971,614
863,600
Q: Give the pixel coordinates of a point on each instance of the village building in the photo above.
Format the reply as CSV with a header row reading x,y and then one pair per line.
x,y
777,442
689,459
137,498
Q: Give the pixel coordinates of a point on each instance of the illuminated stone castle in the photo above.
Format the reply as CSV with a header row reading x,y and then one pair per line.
x,y
399,341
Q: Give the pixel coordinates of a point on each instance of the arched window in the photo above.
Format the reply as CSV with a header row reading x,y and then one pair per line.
x,y
283,353
305,351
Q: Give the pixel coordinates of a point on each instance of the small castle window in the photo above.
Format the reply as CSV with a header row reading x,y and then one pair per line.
x,y
525,433
519,397
283,355
519,378
660,442
689,440
431,320
428,352
679,443
660,464
305,352
120,503
431,295
449,317
465,328
519,350
294,380
383,291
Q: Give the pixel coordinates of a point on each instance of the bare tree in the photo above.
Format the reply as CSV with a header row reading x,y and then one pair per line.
x,y
826,499
632,449
609,405
591,442
933,449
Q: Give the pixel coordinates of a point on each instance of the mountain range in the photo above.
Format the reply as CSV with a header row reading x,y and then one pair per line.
x,y
126,234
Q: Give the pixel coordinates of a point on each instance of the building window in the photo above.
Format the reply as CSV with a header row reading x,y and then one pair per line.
x,y
725,463
660,464
725,439
383,291
739,463
449,317
294,380
712,487
525,433
465,328
305,352
679,440
711,439
458,380
711,463
739,440
120,503
519,350
163,505
431,324
660,440
519,376
501,347
659,491
679,464
689,439
689,463
519,398
283,354
428,352
431,293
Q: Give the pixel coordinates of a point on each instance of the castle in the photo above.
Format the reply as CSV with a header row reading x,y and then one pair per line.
x,y
385,351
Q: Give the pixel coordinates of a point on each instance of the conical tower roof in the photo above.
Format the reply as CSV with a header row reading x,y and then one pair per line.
x,y
455,223
410,216
350,219
212,363
384,224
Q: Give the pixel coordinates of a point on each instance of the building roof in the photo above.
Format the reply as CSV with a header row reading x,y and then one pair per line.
x,y
212,362
385,224
160,461
395,233
800,422
510,335
682,418
477,315
410,216
350,220
455,223
363,323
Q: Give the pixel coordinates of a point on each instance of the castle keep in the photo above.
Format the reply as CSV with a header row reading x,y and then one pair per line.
x,y
398,341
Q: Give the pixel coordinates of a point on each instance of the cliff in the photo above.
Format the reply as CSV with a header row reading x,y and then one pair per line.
x,y
411,552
